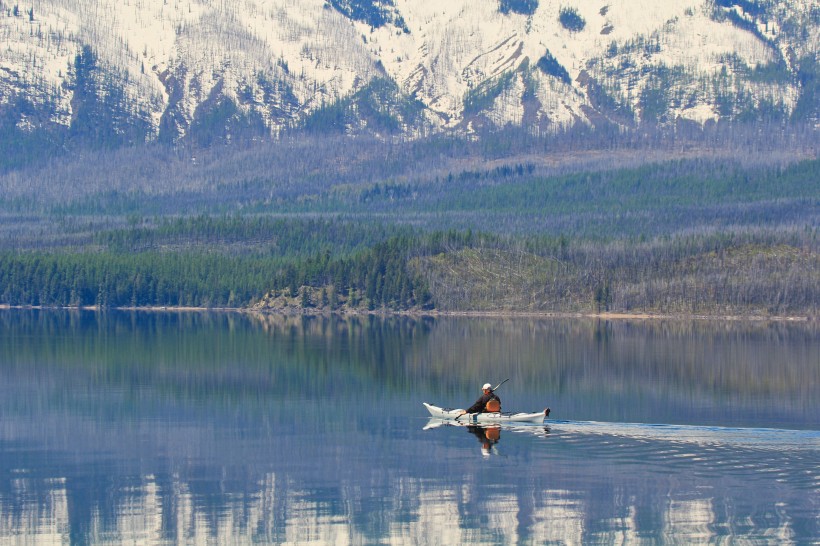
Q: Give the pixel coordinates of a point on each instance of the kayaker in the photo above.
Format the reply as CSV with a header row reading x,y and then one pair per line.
x,y
480,405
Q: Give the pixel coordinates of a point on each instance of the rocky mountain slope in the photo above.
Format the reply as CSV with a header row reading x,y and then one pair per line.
x,y
116,72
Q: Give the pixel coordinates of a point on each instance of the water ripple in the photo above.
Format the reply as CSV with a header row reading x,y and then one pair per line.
x,y
757,438
772,455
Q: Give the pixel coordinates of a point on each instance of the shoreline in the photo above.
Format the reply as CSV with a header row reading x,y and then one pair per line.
x,y
506,314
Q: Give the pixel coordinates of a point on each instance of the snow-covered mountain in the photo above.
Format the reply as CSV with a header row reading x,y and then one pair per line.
x,y
122,71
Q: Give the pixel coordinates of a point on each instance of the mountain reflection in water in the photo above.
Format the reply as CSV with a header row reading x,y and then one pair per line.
x,y
152,427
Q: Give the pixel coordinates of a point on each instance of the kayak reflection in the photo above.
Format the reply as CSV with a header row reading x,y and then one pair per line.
x,y
487,436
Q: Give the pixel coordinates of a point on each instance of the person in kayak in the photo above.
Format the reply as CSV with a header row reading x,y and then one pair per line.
x,y
480,405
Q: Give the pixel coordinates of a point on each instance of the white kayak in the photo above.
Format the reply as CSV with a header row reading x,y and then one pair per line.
x,y
488,417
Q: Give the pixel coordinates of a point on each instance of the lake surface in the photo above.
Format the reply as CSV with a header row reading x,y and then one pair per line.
x,y
225,428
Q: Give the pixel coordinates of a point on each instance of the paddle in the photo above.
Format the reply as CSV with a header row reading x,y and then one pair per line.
x,y
496,388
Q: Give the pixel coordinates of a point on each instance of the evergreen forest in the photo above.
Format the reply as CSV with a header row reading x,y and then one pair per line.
x,y
504,224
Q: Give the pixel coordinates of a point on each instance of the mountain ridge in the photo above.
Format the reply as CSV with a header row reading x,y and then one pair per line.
x,y
110,73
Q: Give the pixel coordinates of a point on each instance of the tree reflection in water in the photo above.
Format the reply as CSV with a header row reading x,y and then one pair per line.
x,y
175,427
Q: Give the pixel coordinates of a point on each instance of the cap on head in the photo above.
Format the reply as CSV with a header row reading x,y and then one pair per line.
x,y
486,386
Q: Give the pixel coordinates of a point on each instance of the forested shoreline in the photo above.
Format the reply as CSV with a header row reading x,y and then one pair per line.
x,y
703,236
761,274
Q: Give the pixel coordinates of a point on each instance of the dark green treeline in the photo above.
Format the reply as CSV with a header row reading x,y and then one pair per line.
x,y
225,262
765,272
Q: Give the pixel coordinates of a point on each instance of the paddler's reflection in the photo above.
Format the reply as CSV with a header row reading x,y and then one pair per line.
x,y
487,436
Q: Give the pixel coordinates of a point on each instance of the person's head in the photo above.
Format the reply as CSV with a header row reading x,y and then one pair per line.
x,y
487,387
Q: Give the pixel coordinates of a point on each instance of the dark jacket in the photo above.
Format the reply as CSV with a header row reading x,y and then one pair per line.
x,y
481,403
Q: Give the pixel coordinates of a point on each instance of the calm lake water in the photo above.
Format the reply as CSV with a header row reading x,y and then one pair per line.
x,y
225,428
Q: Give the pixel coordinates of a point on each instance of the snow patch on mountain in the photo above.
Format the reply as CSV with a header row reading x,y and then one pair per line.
x,y
469,62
